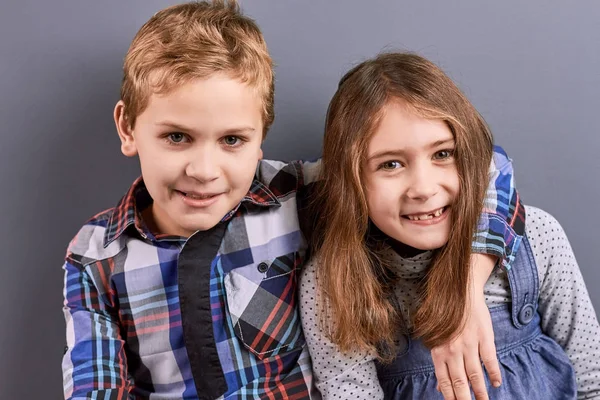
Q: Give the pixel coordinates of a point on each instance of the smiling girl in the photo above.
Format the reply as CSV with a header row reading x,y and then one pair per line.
x,y
388,278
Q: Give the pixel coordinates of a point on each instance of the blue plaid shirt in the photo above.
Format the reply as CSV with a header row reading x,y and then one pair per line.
x,y
215,315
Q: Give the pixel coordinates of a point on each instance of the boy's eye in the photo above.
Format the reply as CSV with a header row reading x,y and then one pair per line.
x,y
231,140
176,137
390,165
443,154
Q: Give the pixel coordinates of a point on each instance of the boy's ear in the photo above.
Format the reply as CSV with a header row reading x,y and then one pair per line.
x,y
128,147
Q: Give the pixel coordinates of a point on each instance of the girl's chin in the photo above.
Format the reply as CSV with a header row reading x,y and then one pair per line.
x,y
426,245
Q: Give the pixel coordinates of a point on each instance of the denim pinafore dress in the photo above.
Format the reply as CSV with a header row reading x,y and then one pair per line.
x,y
533,365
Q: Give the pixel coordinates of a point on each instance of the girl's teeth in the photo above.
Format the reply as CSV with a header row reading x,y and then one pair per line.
x,y
423,217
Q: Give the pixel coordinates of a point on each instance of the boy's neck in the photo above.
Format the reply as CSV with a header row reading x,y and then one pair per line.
x,y
148,221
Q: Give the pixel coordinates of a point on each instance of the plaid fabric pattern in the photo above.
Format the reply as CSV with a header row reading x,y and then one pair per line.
x,y
265,334
502,224
125,336
124,323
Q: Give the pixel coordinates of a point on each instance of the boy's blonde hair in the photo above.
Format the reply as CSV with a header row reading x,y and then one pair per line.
x,y
194,41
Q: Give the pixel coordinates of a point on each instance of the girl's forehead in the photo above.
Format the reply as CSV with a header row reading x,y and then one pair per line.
x,y
402,129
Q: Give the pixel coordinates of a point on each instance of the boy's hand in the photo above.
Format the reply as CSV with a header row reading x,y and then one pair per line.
x,y
458,363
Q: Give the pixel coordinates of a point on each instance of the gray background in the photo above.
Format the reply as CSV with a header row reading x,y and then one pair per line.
x,y
532,68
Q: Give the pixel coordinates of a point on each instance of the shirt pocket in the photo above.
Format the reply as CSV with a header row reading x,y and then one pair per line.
x,y
262,303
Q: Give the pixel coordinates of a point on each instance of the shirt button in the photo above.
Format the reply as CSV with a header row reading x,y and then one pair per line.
x,y
263,267
526,314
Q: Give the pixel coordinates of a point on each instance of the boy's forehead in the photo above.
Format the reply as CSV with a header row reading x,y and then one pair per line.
x,y
163,81
217,100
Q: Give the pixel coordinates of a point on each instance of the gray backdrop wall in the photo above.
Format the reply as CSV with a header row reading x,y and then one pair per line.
x,y
532,68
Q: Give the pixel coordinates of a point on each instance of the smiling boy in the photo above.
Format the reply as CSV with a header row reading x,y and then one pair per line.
x,y
186,289
198,147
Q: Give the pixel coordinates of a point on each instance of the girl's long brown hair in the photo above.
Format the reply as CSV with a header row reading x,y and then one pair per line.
x,y
351,278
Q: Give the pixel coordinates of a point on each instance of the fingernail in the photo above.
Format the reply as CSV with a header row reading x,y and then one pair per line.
x,y
496,384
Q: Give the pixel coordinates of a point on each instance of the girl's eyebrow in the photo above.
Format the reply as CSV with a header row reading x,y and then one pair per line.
x,y
398,152
439,143
386,153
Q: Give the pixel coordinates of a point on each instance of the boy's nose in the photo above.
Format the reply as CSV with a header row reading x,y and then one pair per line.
x,y
203,168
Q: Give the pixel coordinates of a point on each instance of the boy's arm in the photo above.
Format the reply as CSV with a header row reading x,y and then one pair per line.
x,y
94,364
499,233
502,223
458,363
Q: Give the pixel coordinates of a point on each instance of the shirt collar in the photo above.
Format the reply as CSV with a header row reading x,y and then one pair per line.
x,y
128,211
258,195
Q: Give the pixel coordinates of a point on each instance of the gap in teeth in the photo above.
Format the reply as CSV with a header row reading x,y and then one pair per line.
x,y
424,217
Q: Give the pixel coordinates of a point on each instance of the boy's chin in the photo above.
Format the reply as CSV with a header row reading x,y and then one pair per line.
x,y
185,226
204,225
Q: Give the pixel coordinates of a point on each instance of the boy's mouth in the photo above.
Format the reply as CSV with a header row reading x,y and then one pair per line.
x,y
198,200
197,196
429,215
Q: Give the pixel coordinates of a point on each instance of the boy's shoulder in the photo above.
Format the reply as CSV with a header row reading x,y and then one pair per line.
x,y
89,244
107,233
283,178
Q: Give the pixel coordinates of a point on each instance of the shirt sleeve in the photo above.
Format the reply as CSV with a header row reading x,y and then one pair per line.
x,y
94,364
337,375
565,307
502,223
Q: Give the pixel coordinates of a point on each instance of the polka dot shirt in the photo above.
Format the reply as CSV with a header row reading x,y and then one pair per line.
x,y
564,305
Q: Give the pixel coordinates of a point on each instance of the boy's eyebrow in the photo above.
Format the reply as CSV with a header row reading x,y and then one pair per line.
x,y
230,131
237,131
169,124
387,153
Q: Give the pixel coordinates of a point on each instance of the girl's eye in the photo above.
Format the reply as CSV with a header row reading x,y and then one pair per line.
x,y
389,165
176,137
231,141
443,154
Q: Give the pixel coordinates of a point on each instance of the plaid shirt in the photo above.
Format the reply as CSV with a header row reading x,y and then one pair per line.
x,y
502,224
213,316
